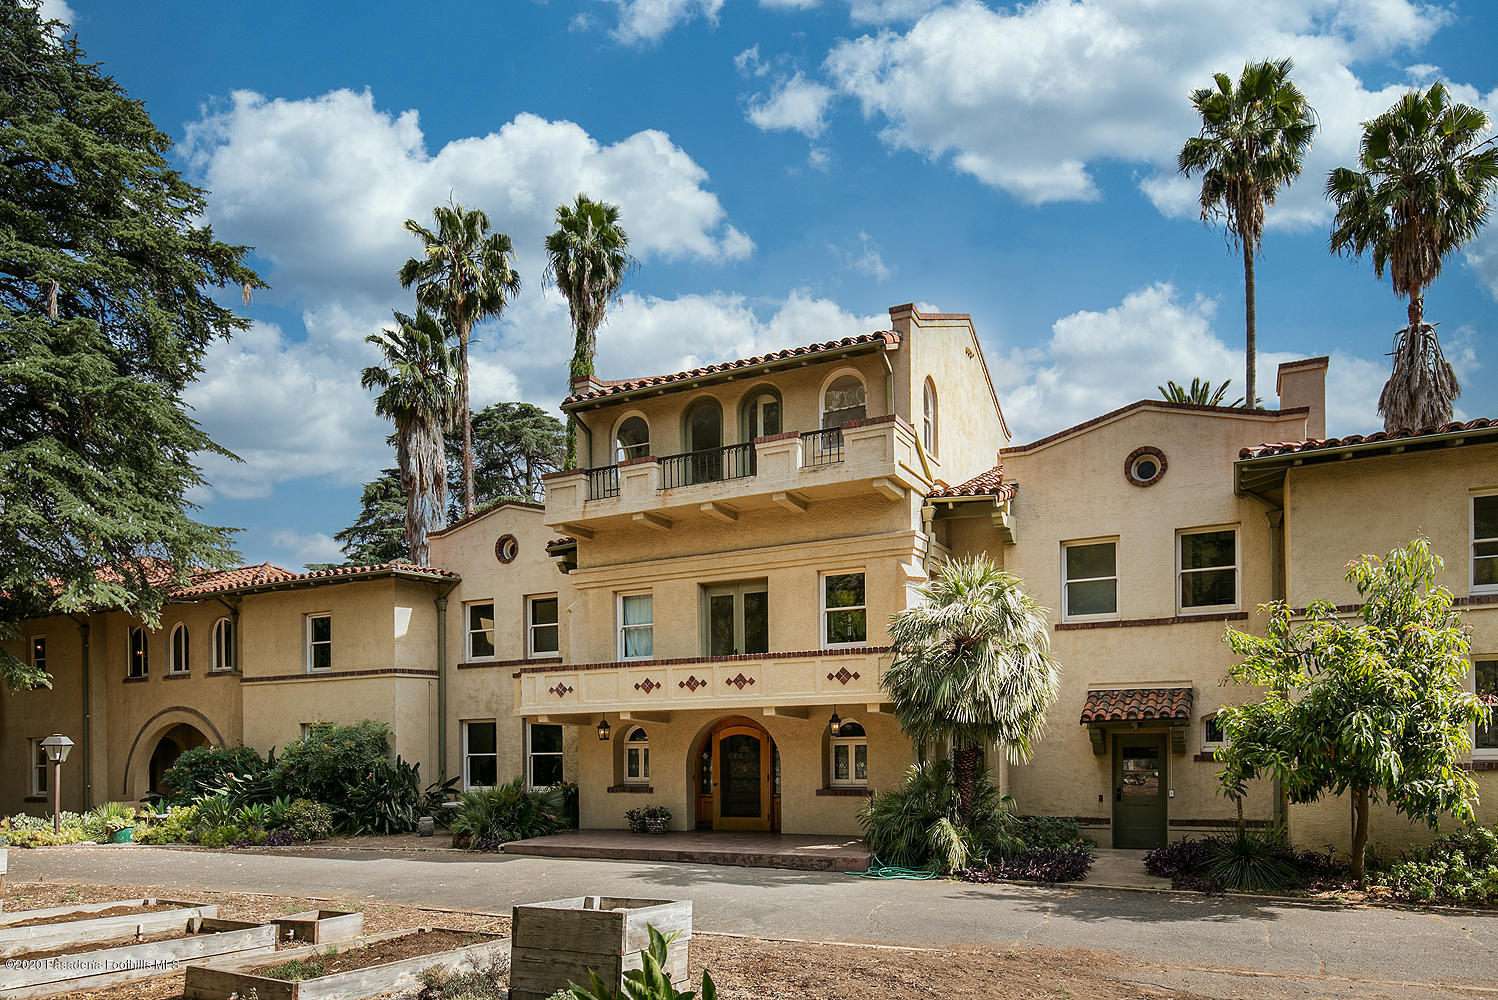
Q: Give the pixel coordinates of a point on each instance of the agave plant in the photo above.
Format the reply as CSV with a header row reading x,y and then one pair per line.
x,y
509,812
253,815
215,810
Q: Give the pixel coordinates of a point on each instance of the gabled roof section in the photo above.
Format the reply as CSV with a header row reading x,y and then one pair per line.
x,y
608,392
1380,437
248,579
1154,404
484,512
988,484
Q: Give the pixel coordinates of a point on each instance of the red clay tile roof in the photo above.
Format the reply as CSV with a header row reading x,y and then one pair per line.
x,y
1296,447
1163,404
1136,704
562,542
602,390
480,512
987,484
265,574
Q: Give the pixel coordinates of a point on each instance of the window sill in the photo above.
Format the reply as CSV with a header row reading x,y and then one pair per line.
x,y
36,798
1184,619
1205,756
1482,764
1089,619
137,680
631,789
180,675
849,791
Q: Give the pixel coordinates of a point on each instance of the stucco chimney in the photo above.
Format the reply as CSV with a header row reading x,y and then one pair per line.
x,y
1303,383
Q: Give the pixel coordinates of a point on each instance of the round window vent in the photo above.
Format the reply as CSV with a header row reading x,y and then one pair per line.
x,y
506,549
1145,466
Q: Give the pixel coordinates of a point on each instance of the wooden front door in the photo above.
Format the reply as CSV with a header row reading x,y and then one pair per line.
x,y
743,778
1140,790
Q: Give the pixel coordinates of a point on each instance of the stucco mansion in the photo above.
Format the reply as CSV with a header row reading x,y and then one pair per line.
x,y
685,615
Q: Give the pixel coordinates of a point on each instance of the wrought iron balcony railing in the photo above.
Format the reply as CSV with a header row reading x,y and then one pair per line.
x,y
603,482
823,447
712,465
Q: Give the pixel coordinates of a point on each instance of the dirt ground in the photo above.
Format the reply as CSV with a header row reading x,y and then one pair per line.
x,y
743,968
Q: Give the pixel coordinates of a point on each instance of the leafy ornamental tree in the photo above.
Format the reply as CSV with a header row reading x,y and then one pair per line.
x,y
106,274
379,535
1420,192
1253,141
586,259
1375,706
466,276
419,396
1201,393
514,445
972,665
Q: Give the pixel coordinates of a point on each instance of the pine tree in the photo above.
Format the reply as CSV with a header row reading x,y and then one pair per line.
x,y
379,535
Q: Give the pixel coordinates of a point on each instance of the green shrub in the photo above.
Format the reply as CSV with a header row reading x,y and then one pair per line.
x,y
221,836
215,810
1460,868
494,816
205,770
492,983
349,769
921,822
1044,833
176,828
308,820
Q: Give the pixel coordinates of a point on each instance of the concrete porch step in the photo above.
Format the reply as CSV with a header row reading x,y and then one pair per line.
x,y
794,852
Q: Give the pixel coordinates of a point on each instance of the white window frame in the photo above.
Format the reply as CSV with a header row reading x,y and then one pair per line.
x,y
468,755
531,755
620,627
225,653
39,768
307,642
864,607
1209,745
469,631
1066,614
822,396
38,652
1483,753
173,667
145,652
1472,585
531,626
930,416
1237,568
851,743
642,750
619,456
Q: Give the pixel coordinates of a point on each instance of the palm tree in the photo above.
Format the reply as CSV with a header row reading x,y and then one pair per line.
x,y
1419,193
1253,142
466,276
586,259
972,665
1201,393
418,395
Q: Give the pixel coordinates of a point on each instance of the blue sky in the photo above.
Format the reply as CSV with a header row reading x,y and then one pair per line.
x,y
787,170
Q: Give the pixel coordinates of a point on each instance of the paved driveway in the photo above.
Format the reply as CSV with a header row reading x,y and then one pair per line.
x,y
1221,947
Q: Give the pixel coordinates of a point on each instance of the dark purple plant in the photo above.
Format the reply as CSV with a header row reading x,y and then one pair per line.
x,y
1048,864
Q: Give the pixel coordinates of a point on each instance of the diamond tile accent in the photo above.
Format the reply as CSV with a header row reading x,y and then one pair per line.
x,y
561,690
648,685
843,676
740,681
691,683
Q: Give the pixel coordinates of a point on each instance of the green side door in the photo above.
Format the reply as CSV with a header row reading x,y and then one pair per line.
x,y
1140,788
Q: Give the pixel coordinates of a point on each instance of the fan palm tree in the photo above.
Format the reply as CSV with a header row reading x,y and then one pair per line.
x,y
1419,193
972,665
1201,393
586,258
418,395
466,275
1253,141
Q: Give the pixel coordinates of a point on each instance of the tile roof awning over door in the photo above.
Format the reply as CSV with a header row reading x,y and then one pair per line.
x,y
1114,707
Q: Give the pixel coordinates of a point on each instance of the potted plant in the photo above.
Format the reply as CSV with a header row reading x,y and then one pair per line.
x,y
657,818
636,820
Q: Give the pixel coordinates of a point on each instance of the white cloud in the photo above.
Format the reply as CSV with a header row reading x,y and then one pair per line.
x,y
646,21
863,257
1096,361
796,104
865,11
57,10
1031,99
315,547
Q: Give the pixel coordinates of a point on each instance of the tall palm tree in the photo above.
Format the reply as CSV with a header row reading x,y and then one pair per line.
x,y
586,258
1419,193
1253,141
417,379
972,665
1201,393
466,275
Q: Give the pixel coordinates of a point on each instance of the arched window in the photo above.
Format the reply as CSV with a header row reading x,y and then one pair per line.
x,y
761,413
637,757
850,756
928,418
843,401
137,665
179,662
633,440
702,429
223,645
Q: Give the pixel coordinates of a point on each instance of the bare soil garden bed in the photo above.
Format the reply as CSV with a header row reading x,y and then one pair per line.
x,y
335,959
75,915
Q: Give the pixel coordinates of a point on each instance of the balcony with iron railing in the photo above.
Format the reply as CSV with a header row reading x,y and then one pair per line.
x,y
791,470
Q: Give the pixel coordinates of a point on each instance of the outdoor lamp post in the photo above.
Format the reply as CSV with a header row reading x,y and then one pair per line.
x,y
57,747
834,724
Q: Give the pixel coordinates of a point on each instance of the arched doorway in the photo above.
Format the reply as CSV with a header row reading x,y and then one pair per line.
x,y
737,777
173,743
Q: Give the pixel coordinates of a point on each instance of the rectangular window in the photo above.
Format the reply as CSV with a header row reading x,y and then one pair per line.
x,y
1209,569
736,618
481,630
138,660
41,767
844,611
319,642
636,627
1485,673
1211,732
542,627
850,764
1485,543
39,652
543,755
1091,579
480,755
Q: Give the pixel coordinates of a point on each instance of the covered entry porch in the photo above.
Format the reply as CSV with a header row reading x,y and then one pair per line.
x,y
798,852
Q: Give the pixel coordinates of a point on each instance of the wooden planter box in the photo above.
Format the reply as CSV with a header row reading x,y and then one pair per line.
x,y
4,853
85,932
90,970
560,942
319,926
222,980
